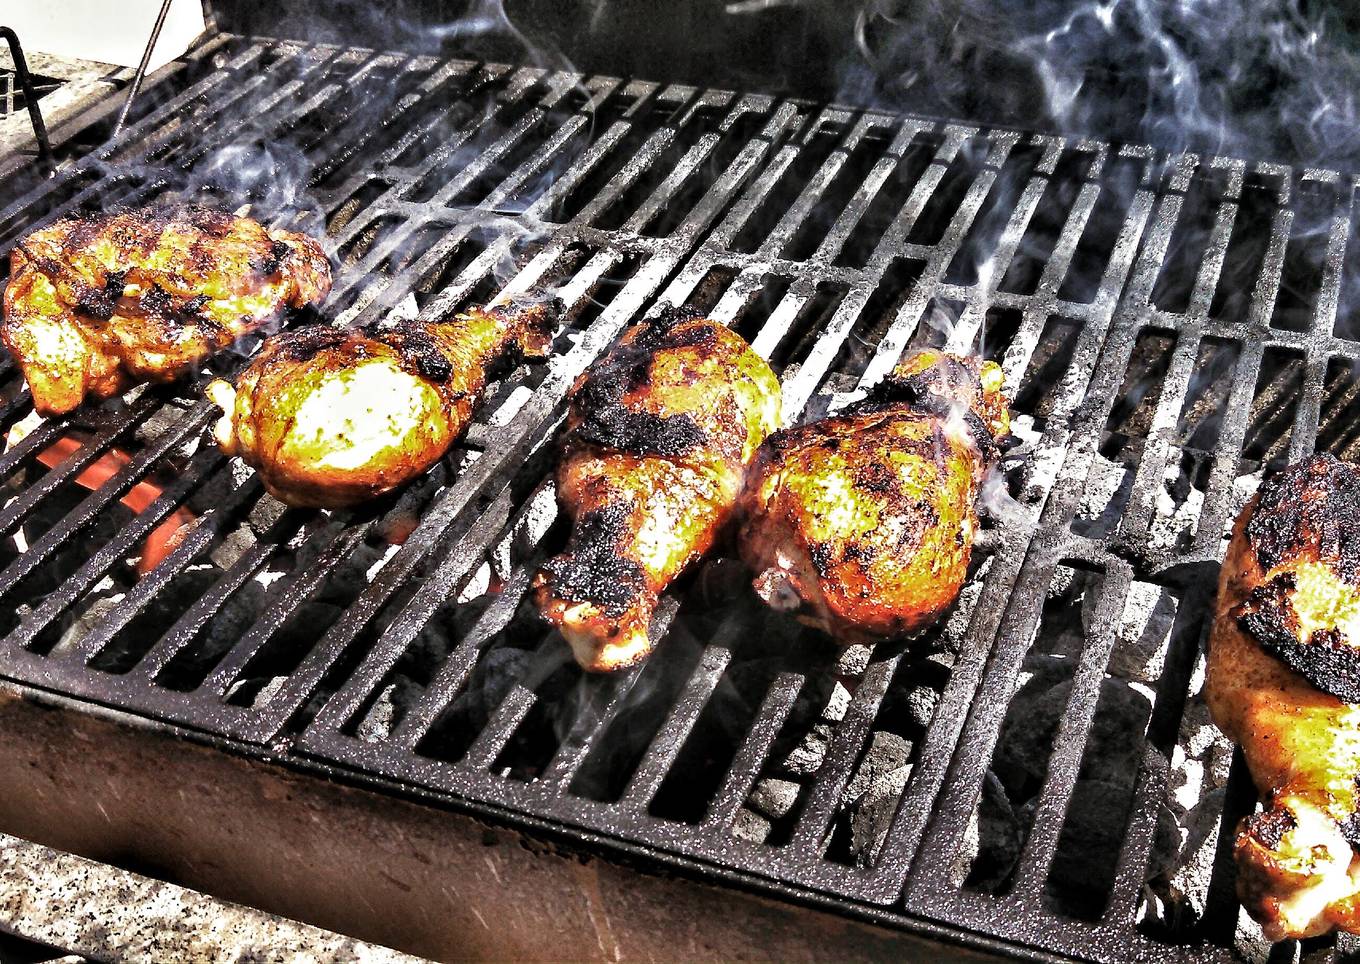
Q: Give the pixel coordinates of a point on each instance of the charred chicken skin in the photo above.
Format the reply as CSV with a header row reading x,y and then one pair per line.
x,y
658,438
97,304
331,417
863,522
1284,683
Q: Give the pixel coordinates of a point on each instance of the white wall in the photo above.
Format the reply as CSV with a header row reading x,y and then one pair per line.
x,y
109,31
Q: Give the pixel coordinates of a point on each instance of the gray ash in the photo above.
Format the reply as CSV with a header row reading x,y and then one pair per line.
x,y
870,799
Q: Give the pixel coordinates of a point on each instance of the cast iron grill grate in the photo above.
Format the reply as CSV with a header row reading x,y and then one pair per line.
x,y
1169,328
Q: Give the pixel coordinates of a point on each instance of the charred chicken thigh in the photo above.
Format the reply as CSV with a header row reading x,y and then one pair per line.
x,y
658,439
97,304
1284,683
863,522
332,417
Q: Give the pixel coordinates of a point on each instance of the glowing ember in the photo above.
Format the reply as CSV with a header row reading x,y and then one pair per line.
x,y
163,539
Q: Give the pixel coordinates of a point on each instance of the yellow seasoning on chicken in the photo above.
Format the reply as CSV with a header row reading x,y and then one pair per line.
x,y
660,432
331,417
862,523
98,303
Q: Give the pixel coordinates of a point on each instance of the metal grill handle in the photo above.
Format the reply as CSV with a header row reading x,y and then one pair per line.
x,y
30,97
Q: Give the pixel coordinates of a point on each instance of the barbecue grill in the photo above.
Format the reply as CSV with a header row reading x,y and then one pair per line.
x,y
1169,329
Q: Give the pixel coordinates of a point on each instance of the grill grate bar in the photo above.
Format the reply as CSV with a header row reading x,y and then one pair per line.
x,y
840,230
189,150
666,745
965,332
1157,450
1070,742
150,586
1219,502
14,410
846,745
364,295
354,127
15,512
755,747
1131,870
602,705
519,86
284,603
456,669
82,515
111,552
184,630
895,338
451,569
932,773
489,155
535,166
667,189
32,443
797,213
647,154
1322,323
75,521
1267,286
381,295
450,71
12,217
384,164
798,390
752,198
738,297
563,185
502,725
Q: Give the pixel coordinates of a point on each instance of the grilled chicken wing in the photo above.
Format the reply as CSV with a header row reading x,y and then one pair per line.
x,y
863,522
332,417
1284,683
658,438
97,304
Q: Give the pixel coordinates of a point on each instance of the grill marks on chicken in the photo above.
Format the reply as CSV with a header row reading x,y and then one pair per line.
x,y
658,438
1305,612
99,303
332,417
863,522
1284,664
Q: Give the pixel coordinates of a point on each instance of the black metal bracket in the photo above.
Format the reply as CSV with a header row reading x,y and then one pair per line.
x,y
140,76
30,97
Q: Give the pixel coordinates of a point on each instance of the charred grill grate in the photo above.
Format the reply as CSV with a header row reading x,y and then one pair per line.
x,y
1168,326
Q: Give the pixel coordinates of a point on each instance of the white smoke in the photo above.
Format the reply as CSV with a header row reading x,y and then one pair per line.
x,y
1246,78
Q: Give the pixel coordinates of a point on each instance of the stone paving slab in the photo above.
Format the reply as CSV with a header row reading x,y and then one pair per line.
x,y
109,914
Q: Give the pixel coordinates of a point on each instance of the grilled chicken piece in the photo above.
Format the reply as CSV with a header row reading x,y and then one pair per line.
x,y
863,522
97,304
660,432
332,417
1284,683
